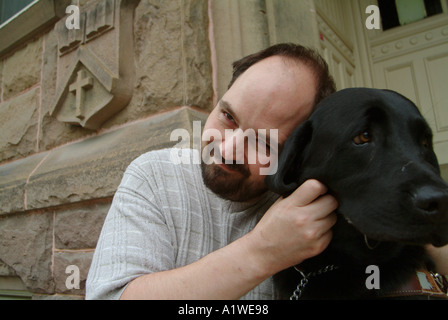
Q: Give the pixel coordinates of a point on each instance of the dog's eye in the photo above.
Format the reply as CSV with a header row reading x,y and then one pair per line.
x,y
426,142
363,138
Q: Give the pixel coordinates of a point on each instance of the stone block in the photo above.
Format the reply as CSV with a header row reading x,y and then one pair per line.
x,y
18,123
81,260
26,242
80,228
93,168
196,52
49,70
55,133
22,69
172,58
6,271
13,178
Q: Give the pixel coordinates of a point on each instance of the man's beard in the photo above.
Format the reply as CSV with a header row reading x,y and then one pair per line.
x,y
234,186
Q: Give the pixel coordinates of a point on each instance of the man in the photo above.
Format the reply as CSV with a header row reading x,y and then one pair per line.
x,y
179,231
213,231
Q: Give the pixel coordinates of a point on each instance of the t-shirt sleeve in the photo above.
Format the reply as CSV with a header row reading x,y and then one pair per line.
x,y
135,239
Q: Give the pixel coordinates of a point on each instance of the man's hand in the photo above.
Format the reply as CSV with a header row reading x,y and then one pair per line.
x,y
295,228
440,257
292,230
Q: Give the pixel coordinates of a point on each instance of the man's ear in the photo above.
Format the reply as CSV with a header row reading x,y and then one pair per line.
x,y
285,180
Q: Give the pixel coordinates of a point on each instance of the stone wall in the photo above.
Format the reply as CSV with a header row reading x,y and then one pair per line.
x,y
57,174
78,105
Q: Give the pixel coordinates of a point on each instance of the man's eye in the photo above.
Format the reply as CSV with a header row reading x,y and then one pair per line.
x,y
228,116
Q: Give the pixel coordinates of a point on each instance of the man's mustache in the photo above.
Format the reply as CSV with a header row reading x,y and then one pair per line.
x,y
231,164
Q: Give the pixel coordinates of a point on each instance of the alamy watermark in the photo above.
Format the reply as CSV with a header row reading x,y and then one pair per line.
x,y
372,21
239,145
73,280
258,150
72,21
372,280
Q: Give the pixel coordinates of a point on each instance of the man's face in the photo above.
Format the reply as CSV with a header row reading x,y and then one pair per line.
x,y
275,93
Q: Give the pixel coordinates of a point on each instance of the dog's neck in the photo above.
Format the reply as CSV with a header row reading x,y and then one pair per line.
x,y
350,249
350,268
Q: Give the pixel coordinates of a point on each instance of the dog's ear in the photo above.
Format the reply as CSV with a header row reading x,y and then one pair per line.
x,y
286,179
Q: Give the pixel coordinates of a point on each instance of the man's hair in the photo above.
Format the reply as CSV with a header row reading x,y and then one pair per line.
x,y
309,57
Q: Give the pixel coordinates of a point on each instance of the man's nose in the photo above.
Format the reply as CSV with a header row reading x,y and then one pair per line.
x,y
232,147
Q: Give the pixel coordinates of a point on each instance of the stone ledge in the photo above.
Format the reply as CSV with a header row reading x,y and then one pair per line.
x,y
13,179
89,169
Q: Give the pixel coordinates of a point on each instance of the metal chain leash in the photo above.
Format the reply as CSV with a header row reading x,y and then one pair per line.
x,y
297,294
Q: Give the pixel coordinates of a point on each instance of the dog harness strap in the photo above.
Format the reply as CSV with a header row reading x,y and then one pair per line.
x,y
297,294
422,283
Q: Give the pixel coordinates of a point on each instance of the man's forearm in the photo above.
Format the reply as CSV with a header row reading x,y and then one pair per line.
x,y
228,273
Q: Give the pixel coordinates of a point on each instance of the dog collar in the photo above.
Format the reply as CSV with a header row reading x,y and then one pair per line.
x,y
422,283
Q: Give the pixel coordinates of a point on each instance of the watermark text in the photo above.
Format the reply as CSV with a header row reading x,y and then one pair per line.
x,y
72,21
373,20
235,147
73,280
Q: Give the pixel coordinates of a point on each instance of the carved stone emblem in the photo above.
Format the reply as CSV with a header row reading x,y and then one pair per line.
x,y
95,65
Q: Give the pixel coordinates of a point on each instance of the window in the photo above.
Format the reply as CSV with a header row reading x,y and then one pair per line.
x,y
12,288
396,13
9,8
20,20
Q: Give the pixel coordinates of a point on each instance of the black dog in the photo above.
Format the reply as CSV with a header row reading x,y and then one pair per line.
x,y
373,150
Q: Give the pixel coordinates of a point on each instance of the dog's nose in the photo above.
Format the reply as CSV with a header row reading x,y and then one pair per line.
x,y
432,201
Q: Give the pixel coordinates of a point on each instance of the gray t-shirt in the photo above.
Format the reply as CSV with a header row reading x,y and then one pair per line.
x,y
163,217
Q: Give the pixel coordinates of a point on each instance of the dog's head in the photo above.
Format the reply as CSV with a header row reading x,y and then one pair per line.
x,y
373,150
